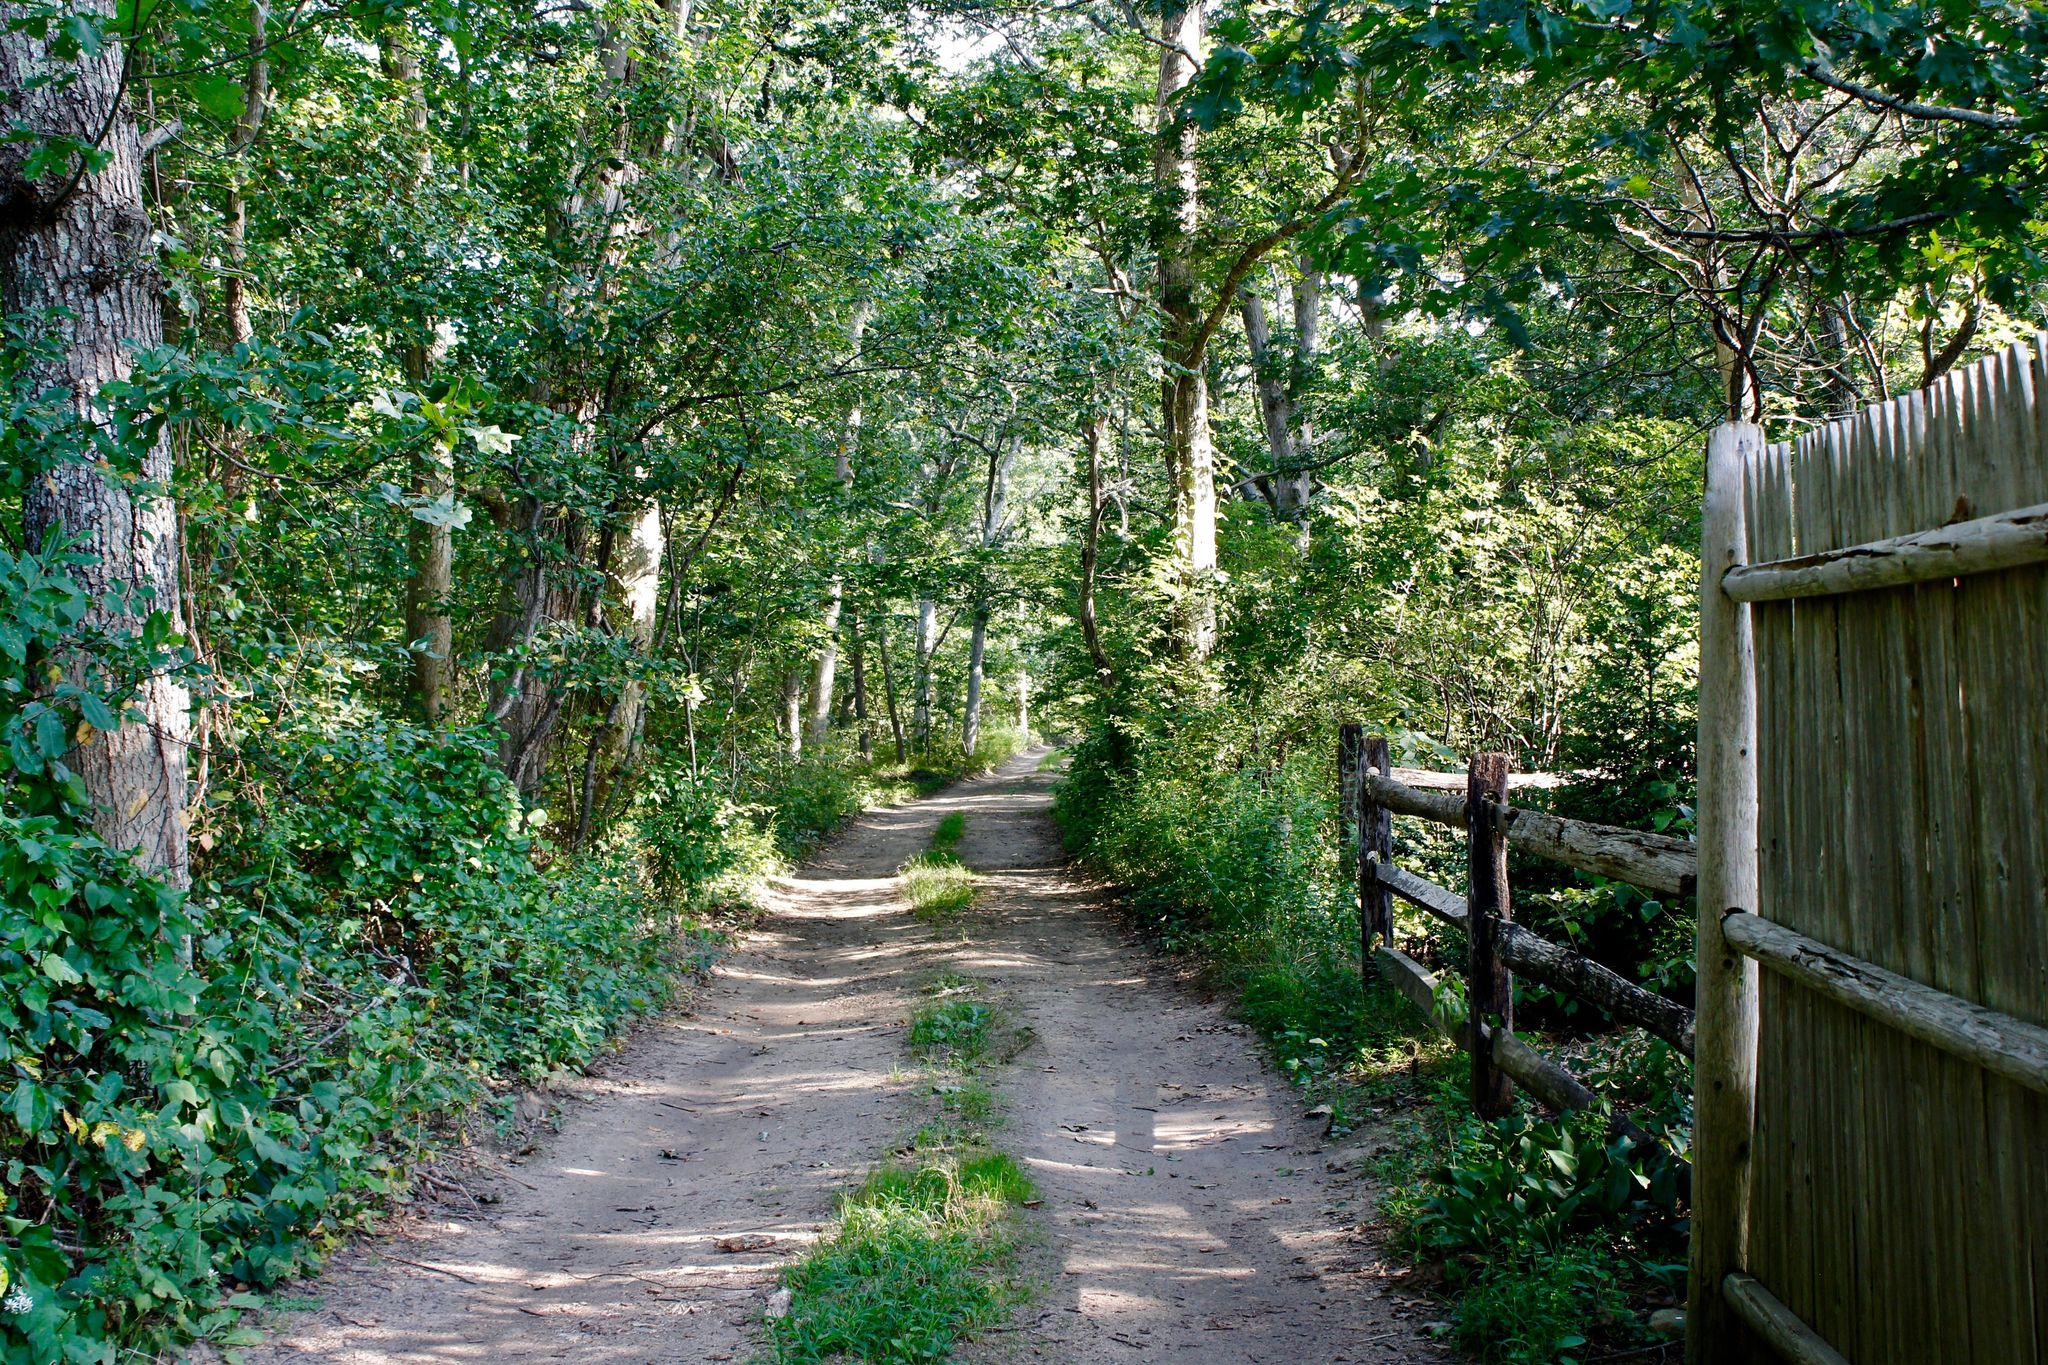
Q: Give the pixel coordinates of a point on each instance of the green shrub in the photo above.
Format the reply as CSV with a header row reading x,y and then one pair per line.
x,y
374,942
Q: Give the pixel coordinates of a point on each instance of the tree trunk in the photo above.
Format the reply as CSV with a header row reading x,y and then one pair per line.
x,y
977,649
862,725
235,218
793,711
1024,704
85,257
1091,540
849,445
430,545
525,702
926,646
1191,455
638,576
889,688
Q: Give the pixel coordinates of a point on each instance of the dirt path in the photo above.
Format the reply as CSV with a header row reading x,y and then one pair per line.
x,y
1189,1213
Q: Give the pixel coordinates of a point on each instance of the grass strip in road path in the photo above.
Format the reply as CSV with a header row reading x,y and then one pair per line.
x,y
923,1250
938,885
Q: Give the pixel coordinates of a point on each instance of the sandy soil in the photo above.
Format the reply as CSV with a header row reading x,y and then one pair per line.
x,y
1189,1211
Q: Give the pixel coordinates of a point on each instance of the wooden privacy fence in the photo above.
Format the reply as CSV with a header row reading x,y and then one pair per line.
x,y
1497,947
1870,1177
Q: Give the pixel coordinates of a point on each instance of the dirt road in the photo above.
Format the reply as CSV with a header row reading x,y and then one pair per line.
x,y
1189,1212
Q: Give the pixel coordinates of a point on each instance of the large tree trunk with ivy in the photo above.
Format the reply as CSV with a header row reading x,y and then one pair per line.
x,y
77,257
1184,397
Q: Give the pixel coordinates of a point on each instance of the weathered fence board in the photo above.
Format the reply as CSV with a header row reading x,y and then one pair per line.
x,y
1887,1189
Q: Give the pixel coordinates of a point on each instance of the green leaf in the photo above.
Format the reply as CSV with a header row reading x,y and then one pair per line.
x,y
220,95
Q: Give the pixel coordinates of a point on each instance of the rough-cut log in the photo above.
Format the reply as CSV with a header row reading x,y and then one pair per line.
x,y
1550,1083
1538,957
1488,988
1995,1041
1430,780
1446,905
1543,1078
77,254
1438,807
1985,545
1376,851
1656,862
1725,998
1793,1340
1587,980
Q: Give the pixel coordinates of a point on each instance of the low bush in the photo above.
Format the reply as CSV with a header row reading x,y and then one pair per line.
x,y
374,944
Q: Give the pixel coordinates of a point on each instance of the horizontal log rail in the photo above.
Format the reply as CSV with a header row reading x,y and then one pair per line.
x,y
1559,968
1546,1080
1656,862
1779,1326
2006,541
1999,1043
1543,1078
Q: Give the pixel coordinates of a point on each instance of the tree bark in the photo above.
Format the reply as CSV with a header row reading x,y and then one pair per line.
x,y
926,645
1091,632
977,650
430,547
1191,455
80,254
793,711
889,688
861,720
822,678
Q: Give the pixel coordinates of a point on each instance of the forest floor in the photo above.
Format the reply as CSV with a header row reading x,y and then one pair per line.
x,y
1189,1210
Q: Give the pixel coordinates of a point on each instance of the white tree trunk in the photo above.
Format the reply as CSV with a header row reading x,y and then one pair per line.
x,y
927,645
89,253
977,651
638,573
1024,704
793,711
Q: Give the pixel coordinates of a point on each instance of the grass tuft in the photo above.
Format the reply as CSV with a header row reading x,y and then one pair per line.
x,y
951,1031
913,1265
938,885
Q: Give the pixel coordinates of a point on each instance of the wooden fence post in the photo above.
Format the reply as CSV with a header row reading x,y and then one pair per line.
x,y
1348,742
1375,851
1725,999
1489,992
